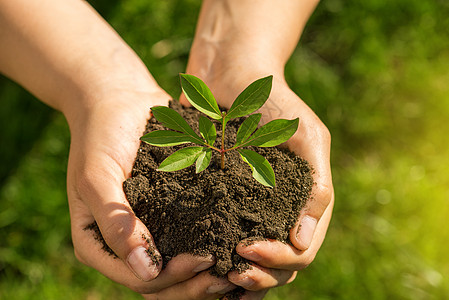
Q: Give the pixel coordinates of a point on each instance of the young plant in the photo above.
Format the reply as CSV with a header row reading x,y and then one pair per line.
x,y
199,95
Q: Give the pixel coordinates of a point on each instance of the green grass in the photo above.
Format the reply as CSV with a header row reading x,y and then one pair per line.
x,y
376,73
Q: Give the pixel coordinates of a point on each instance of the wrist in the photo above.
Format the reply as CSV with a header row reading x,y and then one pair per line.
x,y
229,70
260,35
239,56
122,92
119,78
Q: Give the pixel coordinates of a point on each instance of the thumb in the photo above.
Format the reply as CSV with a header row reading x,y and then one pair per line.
x,y
122,231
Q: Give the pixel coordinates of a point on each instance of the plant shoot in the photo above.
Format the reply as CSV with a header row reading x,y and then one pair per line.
x,y
199,95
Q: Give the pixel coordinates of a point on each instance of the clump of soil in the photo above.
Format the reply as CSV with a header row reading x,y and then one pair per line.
x,y
211,212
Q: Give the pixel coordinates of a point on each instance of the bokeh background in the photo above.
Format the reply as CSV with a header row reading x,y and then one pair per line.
x,y
375,71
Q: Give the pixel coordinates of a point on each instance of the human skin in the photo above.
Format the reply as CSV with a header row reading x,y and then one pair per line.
x,y
70,58
237,42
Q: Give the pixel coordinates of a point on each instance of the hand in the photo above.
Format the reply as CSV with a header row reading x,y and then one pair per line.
x,y
203,286
105,140
276,263
69,57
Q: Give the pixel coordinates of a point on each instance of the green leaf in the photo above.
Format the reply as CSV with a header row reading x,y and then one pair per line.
x,y
180,159
173,120
247,128
200,96
262,170
251,99
273,133
203,160
207,130
166,138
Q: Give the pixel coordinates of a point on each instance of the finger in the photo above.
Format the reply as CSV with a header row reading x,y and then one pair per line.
x,y
259,278
182,267
305,234
201,287
101,158
251,295
313,143
272,254
123,232
278,255
98,166
91,252
183,100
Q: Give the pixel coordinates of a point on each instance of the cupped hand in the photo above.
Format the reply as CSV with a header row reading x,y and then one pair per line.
x,y
105,140
276,263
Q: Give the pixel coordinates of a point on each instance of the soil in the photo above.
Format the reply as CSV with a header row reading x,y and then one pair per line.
x,y
211,212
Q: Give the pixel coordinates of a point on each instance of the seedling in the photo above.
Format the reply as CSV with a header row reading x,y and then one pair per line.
x,y
200,96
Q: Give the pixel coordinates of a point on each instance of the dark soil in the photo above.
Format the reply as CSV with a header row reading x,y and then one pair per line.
x,y
211,212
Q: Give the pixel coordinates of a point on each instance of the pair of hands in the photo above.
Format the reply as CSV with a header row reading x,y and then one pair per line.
x,y
69,57
104,144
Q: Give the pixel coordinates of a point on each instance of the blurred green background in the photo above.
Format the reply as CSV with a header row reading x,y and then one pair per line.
x,y
375,71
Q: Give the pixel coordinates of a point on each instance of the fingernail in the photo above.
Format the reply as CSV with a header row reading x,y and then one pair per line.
x,y
251,255
220,288
142,264
205,265
305,231
245,282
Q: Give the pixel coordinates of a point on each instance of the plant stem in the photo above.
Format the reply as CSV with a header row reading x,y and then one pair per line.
x,y
222,160
214,148
233,148
222,152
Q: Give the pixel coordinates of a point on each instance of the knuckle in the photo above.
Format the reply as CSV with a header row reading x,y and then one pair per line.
x,y
283,277
267,278
79,257
322,132
177,276
191,295
92,176
260,283
323,194
86,179
117,232
318,132
143,288
306,262
86,182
